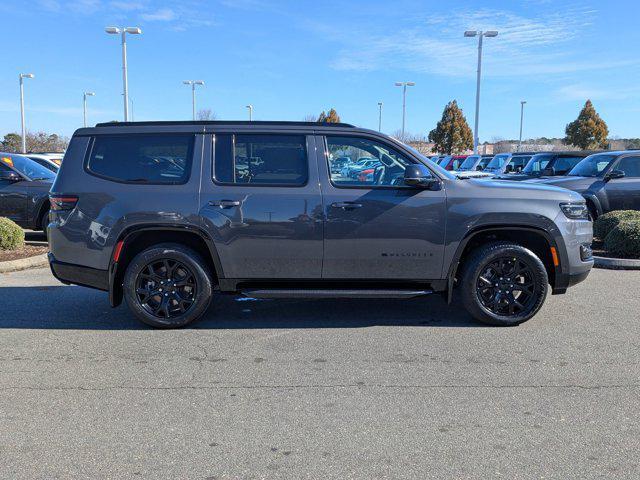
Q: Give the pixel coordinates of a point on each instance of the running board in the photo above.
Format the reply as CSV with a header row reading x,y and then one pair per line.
x,y
334,293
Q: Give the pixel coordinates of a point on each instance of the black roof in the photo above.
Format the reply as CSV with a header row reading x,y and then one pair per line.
x,y
224,122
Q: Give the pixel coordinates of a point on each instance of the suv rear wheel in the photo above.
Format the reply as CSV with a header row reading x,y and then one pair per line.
x,y
503,284
168,286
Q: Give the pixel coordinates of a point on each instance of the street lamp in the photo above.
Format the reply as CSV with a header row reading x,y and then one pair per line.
x,y
480,34
404,86
84,106
379,116
22,76
123,32
250,108
522,102
193,84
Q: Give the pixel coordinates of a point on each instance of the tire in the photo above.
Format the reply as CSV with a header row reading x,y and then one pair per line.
x,y
161,301
43,221
487,285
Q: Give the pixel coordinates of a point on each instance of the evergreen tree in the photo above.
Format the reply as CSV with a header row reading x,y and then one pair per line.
x,y
588,131
452,134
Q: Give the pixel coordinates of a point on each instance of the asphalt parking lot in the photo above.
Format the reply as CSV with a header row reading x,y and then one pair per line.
x,y
318,389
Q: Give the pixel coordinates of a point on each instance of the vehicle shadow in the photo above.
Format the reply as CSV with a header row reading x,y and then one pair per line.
x,y
71,307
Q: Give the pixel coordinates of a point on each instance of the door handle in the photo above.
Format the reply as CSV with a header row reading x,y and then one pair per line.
x,y
225,203
346,205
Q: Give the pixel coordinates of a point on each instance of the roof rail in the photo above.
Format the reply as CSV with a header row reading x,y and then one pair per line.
x,y
223,122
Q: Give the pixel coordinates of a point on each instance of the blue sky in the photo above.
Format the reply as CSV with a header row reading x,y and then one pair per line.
x,y
294,58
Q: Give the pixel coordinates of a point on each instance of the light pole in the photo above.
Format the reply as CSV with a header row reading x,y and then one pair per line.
x,y
125,86
404,86
480,34
379,116
250,108
193,84
84,106
22,76
522,102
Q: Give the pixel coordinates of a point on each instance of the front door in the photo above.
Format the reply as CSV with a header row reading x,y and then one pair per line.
x,y
13,197
376,227
261,203
624,193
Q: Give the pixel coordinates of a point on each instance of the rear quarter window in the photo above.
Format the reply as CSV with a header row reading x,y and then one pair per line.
x,y
140,158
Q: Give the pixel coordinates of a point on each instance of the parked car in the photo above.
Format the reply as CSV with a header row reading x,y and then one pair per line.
x,y
355,171
548,164
451,162
55,157
339,163
45,161
507,163
177,222
24,191
359,164
474,162
608,181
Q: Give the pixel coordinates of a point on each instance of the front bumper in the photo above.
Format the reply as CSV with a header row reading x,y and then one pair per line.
x,y
69,273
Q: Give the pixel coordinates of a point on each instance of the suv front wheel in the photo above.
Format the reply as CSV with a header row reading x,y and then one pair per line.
x,y
168,286
503,284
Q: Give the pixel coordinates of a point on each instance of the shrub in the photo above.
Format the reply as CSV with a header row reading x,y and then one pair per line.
x,y
607,222
624,239
11,235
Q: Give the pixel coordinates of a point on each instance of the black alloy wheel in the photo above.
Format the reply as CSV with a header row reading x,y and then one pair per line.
x,y
168,285
166,288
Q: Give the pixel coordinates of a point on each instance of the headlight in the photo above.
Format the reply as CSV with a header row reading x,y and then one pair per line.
x,y
575,211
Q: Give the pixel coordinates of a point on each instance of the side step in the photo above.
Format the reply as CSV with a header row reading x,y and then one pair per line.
x,y
334,293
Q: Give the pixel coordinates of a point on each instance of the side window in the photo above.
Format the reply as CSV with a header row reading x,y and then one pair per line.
x,y
154,159
630,166
362,162
261,159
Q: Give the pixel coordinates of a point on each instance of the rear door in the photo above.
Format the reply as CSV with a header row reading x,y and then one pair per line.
x,y
378,229
261,203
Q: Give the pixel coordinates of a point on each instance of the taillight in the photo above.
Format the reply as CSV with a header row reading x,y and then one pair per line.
x,y
62,202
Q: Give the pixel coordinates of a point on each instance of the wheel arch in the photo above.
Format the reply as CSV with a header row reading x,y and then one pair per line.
x,y
536,239
133,240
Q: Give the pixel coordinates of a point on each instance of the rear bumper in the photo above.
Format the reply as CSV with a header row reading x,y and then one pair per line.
x,y
70,273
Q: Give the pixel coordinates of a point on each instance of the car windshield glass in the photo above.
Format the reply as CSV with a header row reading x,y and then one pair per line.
x,y
28,168
498,162
537,163
592,166
444,161
469,162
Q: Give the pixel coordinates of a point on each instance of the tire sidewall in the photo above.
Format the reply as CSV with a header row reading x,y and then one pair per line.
x,y
184,255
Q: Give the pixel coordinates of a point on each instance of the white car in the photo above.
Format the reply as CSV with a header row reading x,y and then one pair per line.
x,y
48,160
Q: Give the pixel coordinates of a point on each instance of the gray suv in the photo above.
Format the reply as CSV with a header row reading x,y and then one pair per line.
x,y
165,214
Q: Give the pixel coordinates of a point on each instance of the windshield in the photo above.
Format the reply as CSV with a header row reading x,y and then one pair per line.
x,y
28,168
538,163
592,166
498,162
469,162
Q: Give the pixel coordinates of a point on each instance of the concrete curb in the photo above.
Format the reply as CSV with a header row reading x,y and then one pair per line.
x,y
24,263
616,263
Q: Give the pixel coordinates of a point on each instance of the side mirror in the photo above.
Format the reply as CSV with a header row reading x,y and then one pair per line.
x,y
613,174
9,176
419,176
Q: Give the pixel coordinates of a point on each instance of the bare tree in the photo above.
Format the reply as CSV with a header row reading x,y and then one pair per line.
x,y
310,118
36,142
206,114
